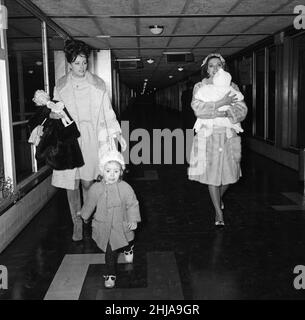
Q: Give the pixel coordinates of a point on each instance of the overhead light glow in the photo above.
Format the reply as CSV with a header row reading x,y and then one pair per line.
x,y
156,29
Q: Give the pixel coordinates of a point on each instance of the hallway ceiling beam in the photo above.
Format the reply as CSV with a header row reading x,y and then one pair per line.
x,y
148,16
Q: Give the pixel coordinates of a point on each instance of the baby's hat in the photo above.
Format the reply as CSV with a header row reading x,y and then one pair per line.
x,y
222,78
112,155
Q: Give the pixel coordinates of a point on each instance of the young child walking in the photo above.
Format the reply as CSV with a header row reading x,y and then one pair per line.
x,y
117,213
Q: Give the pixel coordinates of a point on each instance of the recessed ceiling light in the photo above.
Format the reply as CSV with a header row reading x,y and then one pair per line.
x,y
170,77
103,36
180,69
156,29
38,63
31,71
145,80
150,61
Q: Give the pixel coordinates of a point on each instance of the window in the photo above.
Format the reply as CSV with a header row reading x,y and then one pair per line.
x,y
245,85
297,111
271,93
24,46
260,93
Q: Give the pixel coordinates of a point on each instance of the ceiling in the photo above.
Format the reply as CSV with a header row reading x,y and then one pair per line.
x,y
196,26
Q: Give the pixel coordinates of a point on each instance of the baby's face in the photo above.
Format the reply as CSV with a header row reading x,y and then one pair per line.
x,y
111,172
214,65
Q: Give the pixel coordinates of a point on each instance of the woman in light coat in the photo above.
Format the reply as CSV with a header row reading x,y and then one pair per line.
x,y
216,154
84,95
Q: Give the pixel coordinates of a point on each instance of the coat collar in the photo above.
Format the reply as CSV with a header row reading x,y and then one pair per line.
x,y
92,79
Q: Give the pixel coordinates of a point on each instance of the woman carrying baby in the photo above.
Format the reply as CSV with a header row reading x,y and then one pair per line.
x,y
216,151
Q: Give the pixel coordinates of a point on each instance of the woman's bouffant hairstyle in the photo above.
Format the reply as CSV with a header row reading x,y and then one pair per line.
x,y
74,48
204,69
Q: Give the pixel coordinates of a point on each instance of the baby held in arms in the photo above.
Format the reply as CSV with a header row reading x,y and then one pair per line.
x,y
214,92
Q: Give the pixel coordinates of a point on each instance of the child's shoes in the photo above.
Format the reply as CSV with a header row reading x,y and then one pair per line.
x,y
109,281
129,255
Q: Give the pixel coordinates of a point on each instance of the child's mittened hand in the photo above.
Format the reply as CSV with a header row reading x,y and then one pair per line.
x,y
132,225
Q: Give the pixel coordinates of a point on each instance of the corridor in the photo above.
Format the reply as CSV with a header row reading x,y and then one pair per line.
x,y
178,254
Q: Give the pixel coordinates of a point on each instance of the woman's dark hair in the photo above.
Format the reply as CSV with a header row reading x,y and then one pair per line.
x,y
74,48
204,69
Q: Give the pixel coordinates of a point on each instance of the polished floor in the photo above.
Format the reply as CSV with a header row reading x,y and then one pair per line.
x,y
179,254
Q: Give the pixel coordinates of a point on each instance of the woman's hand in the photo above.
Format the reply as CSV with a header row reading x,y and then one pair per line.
x,y
132,225
227,100
54,115
221,114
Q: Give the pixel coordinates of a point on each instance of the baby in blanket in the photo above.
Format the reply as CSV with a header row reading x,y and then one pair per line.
x,y
214,92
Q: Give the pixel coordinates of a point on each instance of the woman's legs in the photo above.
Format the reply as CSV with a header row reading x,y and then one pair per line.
x,y
215,194
74,200
223,189
75,206
85,188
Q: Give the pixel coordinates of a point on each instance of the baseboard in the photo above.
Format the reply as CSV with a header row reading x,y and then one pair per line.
x,y
284,157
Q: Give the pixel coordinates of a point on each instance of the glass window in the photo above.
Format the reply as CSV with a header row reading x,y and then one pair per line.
x,y
245,85
1,152
260,93
24,44
271,94
300,92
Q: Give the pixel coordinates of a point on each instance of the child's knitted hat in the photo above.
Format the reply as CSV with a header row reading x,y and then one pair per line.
x,y
112,155
222,78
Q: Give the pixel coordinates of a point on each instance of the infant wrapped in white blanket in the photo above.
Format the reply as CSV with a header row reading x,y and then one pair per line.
x,y
214,92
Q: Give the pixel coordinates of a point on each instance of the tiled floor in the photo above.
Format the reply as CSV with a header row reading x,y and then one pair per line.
x,y
179,254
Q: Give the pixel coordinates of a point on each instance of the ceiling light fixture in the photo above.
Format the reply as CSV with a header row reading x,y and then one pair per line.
x,y
127,59
170,77
103,36
180,69
145,80
150,61
156,29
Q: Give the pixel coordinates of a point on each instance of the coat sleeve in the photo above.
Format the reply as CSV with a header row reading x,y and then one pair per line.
x,y
202,110
238,111
91,202
110,119
132,205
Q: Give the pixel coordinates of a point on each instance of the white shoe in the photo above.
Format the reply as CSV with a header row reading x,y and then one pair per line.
x,y
109,281
129,255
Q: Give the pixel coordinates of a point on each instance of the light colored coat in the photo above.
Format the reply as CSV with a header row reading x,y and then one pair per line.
x,y
116,205
103,118
215,159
